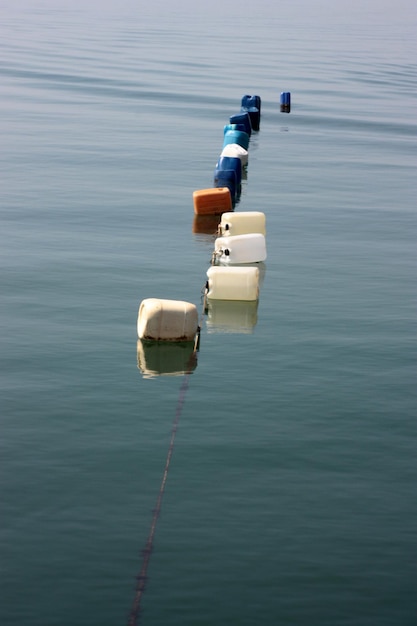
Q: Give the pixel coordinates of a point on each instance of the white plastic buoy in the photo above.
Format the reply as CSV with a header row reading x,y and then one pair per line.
x,y
167,320
165,358
243,222
234,150
248,248
233,283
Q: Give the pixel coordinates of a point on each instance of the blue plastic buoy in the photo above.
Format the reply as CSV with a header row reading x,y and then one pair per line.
x,y
226,178
236,136
251,101
252,104
285,102
234,127
230,163
255,117
242,118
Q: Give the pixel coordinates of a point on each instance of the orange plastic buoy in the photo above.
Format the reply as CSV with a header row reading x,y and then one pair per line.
x,y
212,201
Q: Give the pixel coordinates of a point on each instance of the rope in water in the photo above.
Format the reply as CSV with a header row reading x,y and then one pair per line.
x,y
142,577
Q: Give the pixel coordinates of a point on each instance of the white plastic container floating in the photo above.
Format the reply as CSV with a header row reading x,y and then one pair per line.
x,y
243,222
167,320
234,150
165,358
247,248
233,283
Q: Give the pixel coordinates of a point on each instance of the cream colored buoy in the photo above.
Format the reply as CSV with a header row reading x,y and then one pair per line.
x,y
242,222
248,248
233,283
167,320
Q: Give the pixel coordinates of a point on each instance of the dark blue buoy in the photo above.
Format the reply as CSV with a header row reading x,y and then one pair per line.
x,y
252,104
236,136
230,163
226,178
285,102
255,117
242,118
251,101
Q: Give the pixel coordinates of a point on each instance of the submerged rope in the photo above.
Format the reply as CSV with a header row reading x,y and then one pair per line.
x,y
142,577
146,552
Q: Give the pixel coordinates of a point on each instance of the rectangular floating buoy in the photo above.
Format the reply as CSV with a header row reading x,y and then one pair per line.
x,y
234,150
230,163
226,178
227,127
255,116
251,101
167,320
242,118
233,283
240,137
212,201
285,102
247,248
242,222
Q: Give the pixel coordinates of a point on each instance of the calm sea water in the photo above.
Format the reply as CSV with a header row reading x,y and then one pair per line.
x,y
290,497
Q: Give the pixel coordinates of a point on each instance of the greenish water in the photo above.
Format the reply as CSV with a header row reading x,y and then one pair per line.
x,y
290,497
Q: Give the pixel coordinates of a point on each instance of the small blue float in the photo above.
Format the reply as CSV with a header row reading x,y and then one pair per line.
x,y
242,118
285,102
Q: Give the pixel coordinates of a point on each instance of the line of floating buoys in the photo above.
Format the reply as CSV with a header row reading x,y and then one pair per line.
x,y
168,330
233,158
241,239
